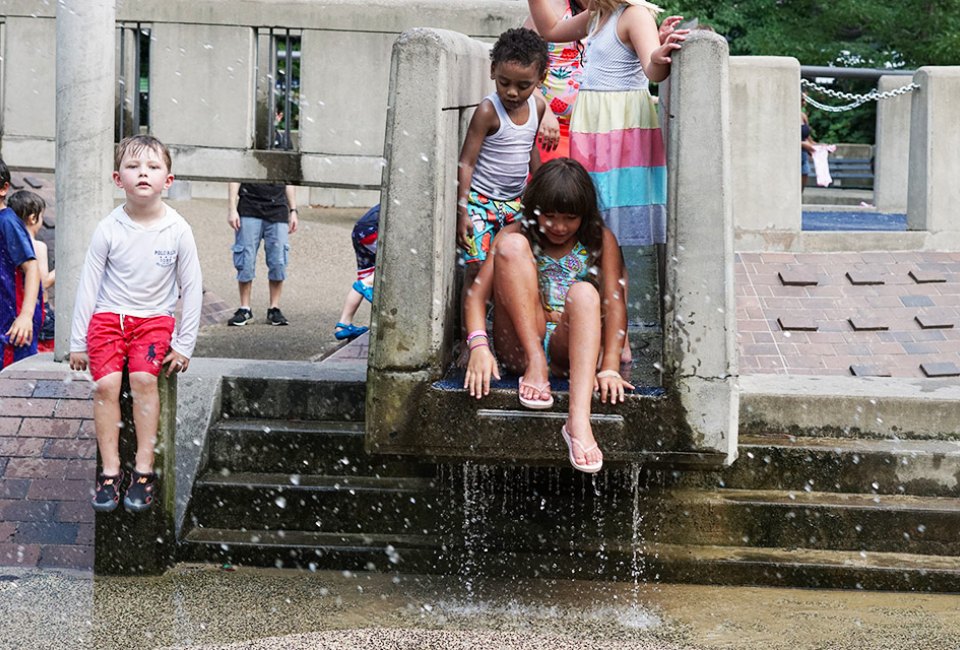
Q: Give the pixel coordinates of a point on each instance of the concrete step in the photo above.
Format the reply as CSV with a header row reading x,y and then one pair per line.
x,y
802,567
577,558
786,462
294,399
336,504
316,550
815,520
302,447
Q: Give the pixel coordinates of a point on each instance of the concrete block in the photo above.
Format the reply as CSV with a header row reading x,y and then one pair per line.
x,y
29,77
202,85
699,326
433,72
765,132
892,149
331,120
933,193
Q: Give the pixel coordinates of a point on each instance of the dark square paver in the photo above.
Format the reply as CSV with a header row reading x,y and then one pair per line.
x,y
940,369
923,277
799,276
797,323
869,370
934,321
916,301
868,323
861,277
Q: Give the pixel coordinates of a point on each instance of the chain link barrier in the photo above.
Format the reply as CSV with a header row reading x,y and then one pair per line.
x,y
854,99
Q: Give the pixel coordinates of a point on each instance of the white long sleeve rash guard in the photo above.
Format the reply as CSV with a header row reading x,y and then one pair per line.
x,y
136,270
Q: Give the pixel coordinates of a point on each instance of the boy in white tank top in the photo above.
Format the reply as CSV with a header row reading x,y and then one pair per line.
x,y
499,150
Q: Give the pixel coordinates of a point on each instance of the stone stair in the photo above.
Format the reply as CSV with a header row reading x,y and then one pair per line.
x,y
819,512
791,511
287,482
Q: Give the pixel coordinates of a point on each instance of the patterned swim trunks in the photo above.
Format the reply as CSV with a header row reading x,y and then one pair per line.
x,y
488,217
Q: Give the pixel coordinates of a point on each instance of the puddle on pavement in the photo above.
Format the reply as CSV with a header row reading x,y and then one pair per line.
x,y
207,607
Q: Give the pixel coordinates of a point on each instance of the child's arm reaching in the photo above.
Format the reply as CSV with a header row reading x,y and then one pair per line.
x,y
482,363
21,331
483,123
552,28
614,309
641,31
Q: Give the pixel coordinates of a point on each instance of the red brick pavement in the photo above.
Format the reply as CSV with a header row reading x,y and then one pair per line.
x,y
897,289
47,457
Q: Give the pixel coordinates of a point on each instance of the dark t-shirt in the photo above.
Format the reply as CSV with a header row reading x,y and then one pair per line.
x,y
266,201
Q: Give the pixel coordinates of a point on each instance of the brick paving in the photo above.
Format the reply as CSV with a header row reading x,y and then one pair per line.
x,y
47,457
48,450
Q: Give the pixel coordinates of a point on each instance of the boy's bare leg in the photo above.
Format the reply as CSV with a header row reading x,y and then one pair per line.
x,y
276,289
246,289
146,417
106,421
517,294
578,337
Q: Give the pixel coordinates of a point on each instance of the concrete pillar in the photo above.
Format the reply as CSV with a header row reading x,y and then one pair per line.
x,y
933,190
85,113
765,163
892,151
434,75
699,327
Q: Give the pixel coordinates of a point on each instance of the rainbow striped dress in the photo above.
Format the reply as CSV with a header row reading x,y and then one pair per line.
x,y
615,135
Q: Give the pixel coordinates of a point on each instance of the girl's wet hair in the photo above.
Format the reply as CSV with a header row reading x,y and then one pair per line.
x,y
26,204
563,186
521,45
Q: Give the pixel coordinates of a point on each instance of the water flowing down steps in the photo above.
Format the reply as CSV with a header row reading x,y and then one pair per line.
x,y
287,482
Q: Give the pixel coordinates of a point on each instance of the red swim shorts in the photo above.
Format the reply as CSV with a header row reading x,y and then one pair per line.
x,y
142,343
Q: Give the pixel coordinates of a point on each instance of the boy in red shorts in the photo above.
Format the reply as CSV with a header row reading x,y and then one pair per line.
x,y
142,257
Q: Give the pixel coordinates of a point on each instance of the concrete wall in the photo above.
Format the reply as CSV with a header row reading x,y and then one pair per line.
x,y
765,150
203,91
29,92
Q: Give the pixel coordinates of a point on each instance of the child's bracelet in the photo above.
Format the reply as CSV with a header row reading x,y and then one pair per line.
x,y
476,334
608,373
482,344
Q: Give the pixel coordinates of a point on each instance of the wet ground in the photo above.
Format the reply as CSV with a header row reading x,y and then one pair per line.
x,y
209,607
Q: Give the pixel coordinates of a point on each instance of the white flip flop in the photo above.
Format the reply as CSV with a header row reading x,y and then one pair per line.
x,y
588,468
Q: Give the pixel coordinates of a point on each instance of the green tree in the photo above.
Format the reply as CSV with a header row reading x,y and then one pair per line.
x,y
843,33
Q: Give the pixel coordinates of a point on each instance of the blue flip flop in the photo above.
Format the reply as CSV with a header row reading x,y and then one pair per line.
x,y
347,331
364,290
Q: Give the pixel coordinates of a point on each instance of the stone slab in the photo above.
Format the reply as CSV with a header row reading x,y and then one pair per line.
x,y
868,370
797,322
940,369
798,277
922,277
868,323
864,277
933,321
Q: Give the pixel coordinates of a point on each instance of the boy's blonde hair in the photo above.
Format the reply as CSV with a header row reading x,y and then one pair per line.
x,y
134,144
609,6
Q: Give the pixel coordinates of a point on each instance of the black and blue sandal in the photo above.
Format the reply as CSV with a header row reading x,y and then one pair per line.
x,y
106,496
139,495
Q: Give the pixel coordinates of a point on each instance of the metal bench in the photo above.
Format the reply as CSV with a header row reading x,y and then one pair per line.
x,y
849,172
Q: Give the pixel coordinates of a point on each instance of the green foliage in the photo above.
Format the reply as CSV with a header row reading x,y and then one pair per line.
x,y
845,33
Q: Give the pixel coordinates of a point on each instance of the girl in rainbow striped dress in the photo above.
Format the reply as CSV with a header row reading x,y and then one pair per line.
x,y
614,129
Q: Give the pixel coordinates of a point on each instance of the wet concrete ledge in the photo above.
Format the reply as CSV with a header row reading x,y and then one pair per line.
x,y
872,407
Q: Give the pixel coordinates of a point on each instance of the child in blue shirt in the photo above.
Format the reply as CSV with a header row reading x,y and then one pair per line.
x,y
19,282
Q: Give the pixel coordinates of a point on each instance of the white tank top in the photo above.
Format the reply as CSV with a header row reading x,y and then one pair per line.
x,y
504,159
608,63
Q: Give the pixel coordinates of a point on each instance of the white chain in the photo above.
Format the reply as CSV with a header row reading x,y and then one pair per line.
x,y
856,100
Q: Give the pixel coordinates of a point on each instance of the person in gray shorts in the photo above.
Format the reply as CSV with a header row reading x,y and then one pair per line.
x,y
261,212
